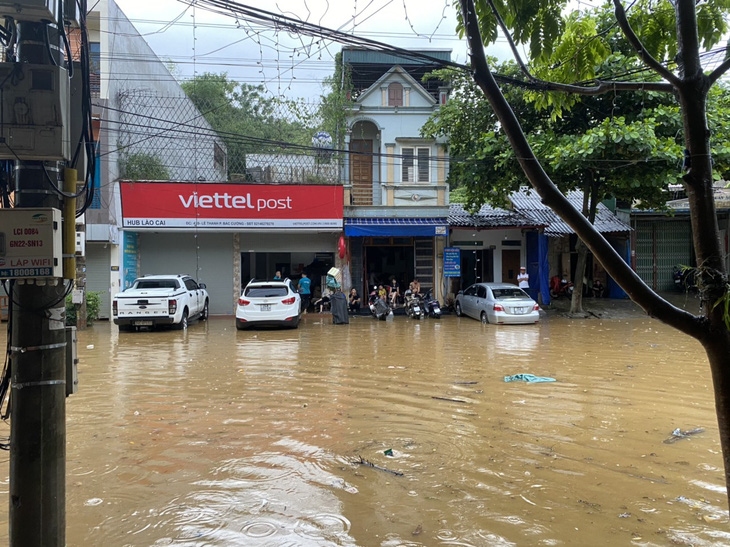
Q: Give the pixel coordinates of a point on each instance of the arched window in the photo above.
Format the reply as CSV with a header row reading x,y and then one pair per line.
x,y
395,94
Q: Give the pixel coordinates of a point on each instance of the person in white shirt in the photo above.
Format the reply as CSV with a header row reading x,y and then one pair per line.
x,y
523,279
323,300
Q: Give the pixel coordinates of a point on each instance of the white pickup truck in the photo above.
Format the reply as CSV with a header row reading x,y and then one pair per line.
x,y
154,300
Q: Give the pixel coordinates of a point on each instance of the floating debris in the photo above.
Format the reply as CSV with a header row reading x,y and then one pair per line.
x,y
678,435
363,461
450,400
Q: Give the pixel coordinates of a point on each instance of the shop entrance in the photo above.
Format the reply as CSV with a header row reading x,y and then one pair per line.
x,y
263,265
386,258
477,266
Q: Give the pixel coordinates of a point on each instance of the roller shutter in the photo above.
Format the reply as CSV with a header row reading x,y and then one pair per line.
x,y
98,268
661,245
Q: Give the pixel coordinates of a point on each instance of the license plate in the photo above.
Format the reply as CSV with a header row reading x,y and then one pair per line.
x,y
143,323
519,311
265,307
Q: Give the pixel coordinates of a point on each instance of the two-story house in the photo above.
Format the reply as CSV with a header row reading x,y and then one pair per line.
x,y
396,195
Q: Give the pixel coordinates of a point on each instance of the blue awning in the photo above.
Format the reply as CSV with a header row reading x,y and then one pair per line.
x,y
404,227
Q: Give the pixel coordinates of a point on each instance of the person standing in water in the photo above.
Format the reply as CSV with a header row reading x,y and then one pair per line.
x,y
523,279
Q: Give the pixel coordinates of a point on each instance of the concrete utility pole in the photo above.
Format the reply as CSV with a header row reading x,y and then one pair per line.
x,y
38,407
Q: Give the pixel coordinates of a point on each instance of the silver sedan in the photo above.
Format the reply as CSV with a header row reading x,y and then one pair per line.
x,y
500,303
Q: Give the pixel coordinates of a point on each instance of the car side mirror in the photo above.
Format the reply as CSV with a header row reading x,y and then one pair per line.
x,y
201,285
460,292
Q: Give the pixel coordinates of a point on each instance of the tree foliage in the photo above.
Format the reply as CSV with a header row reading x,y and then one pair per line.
x,y
246,119
93,305
626,146
141,166
336,103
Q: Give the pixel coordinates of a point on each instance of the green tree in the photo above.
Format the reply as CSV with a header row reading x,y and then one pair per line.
x,y
246,120
603,146
93,303
142,166
668,38
337,103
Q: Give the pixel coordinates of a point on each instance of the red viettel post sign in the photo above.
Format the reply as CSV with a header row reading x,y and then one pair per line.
x,y
230,206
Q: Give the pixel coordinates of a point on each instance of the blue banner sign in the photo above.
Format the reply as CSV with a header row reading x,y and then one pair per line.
x,y
131,259
452,262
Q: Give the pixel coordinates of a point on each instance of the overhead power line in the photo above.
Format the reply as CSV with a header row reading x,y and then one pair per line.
x,y
278,22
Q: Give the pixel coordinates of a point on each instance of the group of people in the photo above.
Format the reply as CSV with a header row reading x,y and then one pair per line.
x,y
305,291
388,293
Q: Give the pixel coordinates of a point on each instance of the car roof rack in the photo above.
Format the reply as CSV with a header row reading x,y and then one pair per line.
x,y
255,280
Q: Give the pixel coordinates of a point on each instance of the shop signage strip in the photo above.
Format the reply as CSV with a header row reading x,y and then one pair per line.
x,y
229,223
222,205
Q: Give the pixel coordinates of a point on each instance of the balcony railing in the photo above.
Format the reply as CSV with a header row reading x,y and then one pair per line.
x,y
289,169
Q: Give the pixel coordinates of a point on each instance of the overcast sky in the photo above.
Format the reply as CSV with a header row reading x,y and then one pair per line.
x,y
199,41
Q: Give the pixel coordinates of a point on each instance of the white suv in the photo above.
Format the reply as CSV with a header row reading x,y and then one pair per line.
x,y
268,304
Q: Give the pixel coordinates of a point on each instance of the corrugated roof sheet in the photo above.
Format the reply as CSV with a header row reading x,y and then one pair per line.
x,y
367,67
530,204
363,55
487,216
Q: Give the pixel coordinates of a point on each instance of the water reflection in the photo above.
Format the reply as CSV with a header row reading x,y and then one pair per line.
x,y
519,340
392,433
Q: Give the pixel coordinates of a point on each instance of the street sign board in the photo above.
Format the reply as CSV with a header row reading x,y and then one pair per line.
x,y
452,262
30,243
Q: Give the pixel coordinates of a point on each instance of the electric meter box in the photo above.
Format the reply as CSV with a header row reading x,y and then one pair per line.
x,y
35,110
30,10
30,243
80,243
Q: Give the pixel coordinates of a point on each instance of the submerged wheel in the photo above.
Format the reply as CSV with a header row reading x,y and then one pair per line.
x,y
183,324
204,313
458,309
484,318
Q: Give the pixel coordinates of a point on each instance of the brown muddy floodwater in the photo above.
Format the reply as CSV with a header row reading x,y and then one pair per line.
x,y
219,437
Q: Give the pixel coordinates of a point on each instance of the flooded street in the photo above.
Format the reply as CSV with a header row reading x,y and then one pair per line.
x,y
218,437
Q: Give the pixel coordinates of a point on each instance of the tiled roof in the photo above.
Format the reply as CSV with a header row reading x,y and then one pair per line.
x,y
529,211
488,216
530,204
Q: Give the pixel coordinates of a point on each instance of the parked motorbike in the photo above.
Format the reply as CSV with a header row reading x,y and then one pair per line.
x,y
560,287
684,278
414,306
432,308
379,307
381,310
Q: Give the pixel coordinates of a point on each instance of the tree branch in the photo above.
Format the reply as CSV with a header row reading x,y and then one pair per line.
x,y
600,88
718,72
633,39
511,42
614,264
